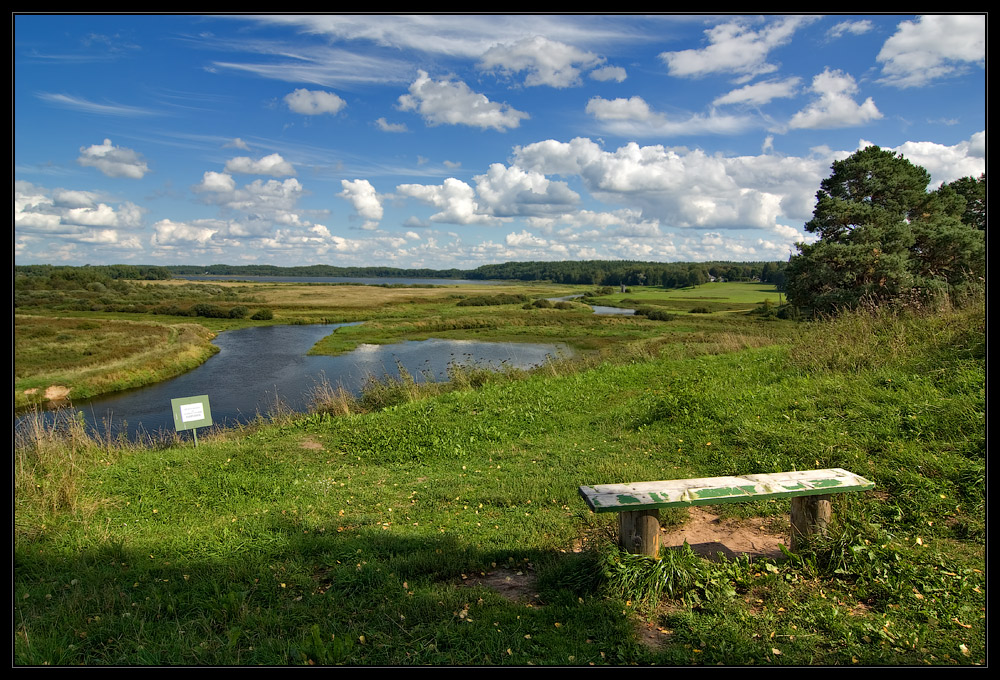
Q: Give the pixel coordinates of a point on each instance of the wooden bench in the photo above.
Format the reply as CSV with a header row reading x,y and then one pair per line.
x,y
638,504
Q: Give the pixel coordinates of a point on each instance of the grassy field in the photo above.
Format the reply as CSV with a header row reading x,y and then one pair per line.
x,y
446,529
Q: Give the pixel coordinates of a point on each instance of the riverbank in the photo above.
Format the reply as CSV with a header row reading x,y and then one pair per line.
x,y
448,530
65,358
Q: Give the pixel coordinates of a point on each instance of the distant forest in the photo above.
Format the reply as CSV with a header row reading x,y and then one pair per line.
x,y
587,272
590,272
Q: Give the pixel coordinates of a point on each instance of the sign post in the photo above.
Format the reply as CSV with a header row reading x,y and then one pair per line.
x,y
190,413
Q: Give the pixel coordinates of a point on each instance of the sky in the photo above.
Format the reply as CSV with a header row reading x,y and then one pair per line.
x,y
447,141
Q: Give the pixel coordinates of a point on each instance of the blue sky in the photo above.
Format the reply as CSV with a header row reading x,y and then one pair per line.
x,y
454,141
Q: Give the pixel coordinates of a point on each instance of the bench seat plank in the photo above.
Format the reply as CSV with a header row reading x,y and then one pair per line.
x,y
711,490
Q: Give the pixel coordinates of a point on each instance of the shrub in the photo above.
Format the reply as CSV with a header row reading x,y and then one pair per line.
x,y
655,314
491,300
264,314
700,310
238,312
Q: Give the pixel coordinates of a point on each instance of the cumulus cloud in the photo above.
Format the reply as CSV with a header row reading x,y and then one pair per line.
x,y
170,233
361,194
835,107
509,191
931,48
273,165
113,161
761,93
945,163
216,182
547,62
314,102
606,73
455,198
54,220
685,188
734,48
634,117
236,143
63,211
451,102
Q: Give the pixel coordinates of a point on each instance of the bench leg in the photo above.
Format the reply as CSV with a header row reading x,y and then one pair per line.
x,y
639,532
810,516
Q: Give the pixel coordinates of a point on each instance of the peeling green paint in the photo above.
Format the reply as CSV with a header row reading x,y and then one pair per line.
x,y
726,491
628,500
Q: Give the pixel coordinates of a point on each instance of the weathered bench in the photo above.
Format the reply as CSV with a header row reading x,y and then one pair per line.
x,y
638,504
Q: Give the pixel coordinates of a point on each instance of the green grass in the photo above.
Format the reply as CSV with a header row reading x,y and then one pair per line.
x,y
358,539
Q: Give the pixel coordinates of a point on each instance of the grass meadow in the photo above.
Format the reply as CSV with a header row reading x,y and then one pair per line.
x,y
441,524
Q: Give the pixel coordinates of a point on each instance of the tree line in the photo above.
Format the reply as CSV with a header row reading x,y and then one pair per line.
x,y
585,272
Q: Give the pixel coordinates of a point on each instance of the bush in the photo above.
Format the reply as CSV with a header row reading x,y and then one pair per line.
x,y
655,314
491,300
263,315
700,310
209,311
238,312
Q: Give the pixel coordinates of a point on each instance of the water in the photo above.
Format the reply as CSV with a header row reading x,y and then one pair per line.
x,y
599,309
257,366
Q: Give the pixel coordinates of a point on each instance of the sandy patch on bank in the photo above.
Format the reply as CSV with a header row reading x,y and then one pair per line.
x,y
52,393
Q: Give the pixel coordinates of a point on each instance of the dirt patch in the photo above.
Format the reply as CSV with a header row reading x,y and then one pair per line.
x,y
56,393
311,444
709,534
515,585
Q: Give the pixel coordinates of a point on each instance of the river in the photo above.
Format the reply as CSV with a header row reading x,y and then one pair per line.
x,y
257,366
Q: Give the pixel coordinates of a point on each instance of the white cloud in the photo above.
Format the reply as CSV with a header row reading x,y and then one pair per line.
x,y
314,102
113,161
734,48
361,194
525,239
272,164
852,27
80,104
386,126
835,106
547,62
759,94
685,188
456,199
72,214
236,143
606,73
217,182
945,163
933,47
506,192
446,101
633,117
168,232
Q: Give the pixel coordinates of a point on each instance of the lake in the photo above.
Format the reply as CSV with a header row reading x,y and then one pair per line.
x,y
257,366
